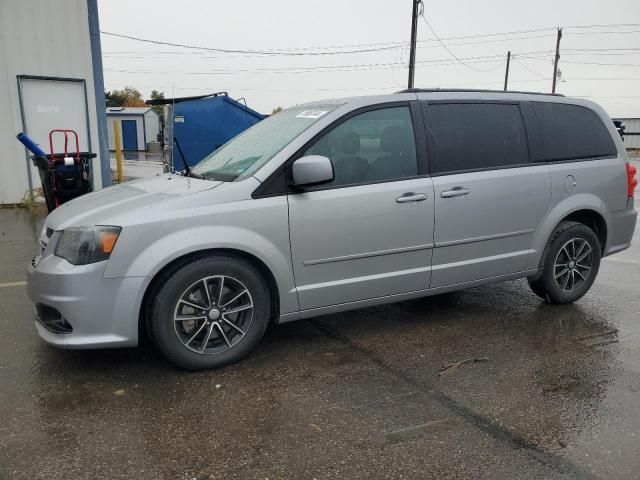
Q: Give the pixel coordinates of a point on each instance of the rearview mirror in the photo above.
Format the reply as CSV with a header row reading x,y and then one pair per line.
x,y
311,170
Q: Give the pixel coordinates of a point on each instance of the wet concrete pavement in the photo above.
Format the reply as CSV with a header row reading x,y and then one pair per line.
x,y
137,164
352,395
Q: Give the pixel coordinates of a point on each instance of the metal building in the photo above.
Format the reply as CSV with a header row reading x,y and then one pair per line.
x,y
50,77
139,126
631,132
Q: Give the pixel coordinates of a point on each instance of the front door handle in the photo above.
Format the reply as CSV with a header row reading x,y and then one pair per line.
x,y
412,197
455,192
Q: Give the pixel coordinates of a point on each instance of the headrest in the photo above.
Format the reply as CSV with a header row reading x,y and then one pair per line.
x,y
349,143
392,139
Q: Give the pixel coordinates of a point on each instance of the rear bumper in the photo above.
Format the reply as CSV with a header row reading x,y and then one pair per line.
x,y
102,312
621,229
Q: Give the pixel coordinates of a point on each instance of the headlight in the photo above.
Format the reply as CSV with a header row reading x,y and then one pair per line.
x,y
84,245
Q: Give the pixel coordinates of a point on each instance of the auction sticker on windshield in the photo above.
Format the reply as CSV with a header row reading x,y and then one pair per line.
x,y
311,114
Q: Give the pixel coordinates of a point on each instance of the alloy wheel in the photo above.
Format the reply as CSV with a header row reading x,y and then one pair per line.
x,y
573,264
213,314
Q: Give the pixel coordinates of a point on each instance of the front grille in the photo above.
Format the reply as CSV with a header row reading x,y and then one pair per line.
x,y
52,319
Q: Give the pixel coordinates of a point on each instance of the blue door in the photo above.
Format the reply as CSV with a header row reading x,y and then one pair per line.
x,y
129,135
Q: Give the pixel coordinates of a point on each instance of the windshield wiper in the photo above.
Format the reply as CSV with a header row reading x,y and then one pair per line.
x,y
222,177
187,170
192,174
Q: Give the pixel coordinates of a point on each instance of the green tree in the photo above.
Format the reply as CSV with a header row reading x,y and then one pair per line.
x,y
113,98
127,97
156,95
278,109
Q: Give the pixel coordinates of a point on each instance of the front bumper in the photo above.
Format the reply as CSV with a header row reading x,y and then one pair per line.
x,y
102,312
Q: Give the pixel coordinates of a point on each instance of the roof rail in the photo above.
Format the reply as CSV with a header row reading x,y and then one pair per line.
x,y
472,90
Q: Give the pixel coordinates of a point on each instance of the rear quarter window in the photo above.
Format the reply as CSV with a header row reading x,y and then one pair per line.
x,y
571,132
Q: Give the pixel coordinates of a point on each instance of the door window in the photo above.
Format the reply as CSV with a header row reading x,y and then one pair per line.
x,y
572,132
474,136
374,146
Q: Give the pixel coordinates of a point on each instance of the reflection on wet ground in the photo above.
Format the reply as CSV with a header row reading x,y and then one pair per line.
x,y
137,164
352,395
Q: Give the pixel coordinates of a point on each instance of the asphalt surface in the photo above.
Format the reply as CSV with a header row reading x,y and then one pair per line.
x,y
352,395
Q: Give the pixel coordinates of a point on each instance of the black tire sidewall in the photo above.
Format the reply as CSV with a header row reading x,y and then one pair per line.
x,y
547,281
161,320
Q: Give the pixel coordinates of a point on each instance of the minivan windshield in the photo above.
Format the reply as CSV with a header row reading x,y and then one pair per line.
x,y
245,154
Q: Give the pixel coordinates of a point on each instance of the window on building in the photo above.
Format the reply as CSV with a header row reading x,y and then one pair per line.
x,y
471,136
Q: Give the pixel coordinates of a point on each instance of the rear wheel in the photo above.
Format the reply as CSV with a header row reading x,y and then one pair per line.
x,y
570,264
209,313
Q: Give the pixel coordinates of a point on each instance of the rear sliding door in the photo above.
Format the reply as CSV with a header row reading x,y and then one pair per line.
x,y
489,199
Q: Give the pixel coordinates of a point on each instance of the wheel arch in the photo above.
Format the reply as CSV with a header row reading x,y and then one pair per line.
x,y
177,263
594,221
584,208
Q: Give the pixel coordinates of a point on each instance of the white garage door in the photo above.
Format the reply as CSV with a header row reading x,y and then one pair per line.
x,y
54,104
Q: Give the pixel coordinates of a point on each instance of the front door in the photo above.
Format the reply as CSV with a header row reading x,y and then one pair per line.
x,y
129,135
369,233
49,104
489,200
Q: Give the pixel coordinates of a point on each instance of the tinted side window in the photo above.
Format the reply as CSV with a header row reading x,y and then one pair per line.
x,y
373,146
571,132
472,136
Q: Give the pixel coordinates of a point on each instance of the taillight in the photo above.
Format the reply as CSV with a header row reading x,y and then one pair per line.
x,y
632,181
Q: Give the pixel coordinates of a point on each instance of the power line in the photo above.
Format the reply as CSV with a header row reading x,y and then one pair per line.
x,y
277,53
586,63
209,89
449,50
612,32
329,68
602,49
530,70
199,55
375,46
398,44
603,25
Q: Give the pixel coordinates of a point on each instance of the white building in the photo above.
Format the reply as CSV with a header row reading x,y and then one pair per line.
x,y
138,127
631,132
50,77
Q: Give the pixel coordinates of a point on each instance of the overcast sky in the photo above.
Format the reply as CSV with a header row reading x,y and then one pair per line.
x,y
602,63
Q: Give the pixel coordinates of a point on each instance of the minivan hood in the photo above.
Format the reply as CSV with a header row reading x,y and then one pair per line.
x,y
97,207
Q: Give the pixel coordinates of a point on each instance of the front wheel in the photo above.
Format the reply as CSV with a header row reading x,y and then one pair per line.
x,y
570,264
209,313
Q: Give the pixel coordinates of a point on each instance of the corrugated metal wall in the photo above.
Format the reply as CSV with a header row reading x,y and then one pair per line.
x,y
41,38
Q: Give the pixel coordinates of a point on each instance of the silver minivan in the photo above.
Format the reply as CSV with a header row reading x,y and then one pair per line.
x,y
337,205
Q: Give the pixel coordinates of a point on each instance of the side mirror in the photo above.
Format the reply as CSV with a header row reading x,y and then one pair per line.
x,y
311,170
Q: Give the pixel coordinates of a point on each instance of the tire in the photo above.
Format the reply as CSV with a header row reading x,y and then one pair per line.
x,y
561,279
209,336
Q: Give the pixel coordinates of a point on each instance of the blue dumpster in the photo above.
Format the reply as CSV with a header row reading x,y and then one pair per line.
x,y
203,123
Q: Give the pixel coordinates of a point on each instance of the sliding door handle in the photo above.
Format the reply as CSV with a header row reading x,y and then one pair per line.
x,y
412,197
455,192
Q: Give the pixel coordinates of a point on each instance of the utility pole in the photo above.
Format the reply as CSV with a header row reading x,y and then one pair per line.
x,y
414,34
506,72
555,63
